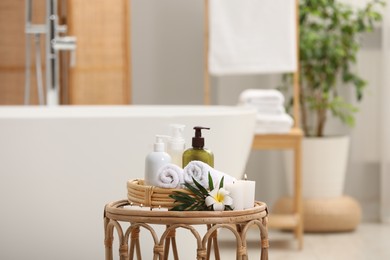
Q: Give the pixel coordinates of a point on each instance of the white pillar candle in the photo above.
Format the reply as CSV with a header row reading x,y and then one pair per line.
x,y
249,193
236,190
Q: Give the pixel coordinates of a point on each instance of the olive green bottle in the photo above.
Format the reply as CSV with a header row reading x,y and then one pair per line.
x,y
198,152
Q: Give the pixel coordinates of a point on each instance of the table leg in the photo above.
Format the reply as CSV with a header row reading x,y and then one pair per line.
x,y
123,252
174,248
134,244
138,249
213,241
108,239
216,248
166,247
264,239
298,209
209,243
239,254
109,226
171,237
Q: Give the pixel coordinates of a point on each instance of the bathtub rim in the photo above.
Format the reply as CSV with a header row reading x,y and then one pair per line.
x,y
118,111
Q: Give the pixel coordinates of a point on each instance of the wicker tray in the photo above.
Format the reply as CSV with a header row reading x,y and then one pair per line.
x,y
150,196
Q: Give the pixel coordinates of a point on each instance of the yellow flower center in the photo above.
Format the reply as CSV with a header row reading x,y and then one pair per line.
x,y
219,197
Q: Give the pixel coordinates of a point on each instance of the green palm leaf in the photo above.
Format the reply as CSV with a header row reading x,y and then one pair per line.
x,y
196,200
211,184
200,187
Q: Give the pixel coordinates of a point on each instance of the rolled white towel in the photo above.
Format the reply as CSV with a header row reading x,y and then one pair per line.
x,y
200,171
170,176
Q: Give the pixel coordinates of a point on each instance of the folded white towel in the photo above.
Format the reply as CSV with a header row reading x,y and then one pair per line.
x,y
284,119
261,97
170,176
267,109
268,124
252,36
200,171
272,129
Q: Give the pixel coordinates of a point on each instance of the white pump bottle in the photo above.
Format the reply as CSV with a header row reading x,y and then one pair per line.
x,y
176,144
155,160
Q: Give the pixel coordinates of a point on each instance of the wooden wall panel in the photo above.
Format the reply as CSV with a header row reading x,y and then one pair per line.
x,y
12,50
102,72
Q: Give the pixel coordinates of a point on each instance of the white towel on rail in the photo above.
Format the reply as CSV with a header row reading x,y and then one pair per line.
x,y
252,36
267,109
270,124
261,97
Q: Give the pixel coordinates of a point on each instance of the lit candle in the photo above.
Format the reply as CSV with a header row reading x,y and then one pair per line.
x,y
249,192
159,209
237,191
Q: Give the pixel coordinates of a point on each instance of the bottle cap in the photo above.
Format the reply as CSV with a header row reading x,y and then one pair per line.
x,y
176,141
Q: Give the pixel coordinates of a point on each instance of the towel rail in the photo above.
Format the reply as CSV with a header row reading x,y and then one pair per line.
x,y
290,140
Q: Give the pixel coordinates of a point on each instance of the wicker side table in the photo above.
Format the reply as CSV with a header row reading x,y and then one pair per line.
x,y
238,222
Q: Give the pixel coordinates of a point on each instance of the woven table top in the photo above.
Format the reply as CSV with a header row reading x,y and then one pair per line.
x,y
115,210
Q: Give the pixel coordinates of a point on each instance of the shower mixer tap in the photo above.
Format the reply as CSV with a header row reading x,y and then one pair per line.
x,y
66,43
54,44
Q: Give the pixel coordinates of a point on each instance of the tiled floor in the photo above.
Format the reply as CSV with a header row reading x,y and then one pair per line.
x,y
369,241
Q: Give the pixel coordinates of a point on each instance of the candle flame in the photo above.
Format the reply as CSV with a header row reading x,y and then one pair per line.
x,y
245,177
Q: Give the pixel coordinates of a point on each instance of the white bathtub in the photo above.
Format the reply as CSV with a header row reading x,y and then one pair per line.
x,y
60,165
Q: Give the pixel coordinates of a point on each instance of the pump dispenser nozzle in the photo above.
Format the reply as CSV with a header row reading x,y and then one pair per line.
x,y
198,140
176,144
159,145
177,134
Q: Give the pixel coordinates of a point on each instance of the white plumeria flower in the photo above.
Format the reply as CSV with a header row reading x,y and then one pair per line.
x,y
219,198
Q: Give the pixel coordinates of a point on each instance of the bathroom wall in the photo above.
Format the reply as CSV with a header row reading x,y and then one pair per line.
x,y
167,44
167,51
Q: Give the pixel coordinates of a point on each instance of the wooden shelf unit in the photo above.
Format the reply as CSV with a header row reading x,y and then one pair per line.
x,y
293,141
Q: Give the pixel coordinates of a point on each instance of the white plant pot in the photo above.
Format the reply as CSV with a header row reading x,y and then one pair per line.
x,y
324,162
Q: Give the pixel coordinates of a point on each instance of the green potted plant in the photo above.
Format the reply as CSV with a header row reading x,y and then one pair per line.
x,y
328,43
